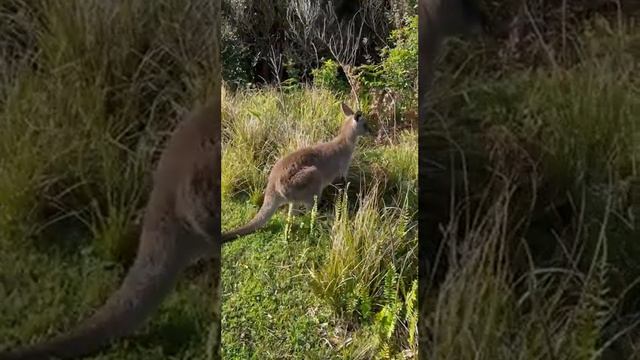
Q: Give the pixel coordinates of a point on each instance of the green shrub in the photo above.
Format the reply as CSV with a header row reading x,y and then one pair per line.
x,y
399,61
236,62
327,77
397,71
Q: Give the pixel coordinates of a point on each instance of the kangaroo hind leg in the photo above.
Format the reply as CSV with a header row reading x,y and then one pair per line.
x,y
303,186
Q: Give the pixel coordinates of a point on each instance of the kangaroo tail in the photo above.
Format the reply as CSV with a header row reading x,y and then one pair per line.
x,y
269,206
150,278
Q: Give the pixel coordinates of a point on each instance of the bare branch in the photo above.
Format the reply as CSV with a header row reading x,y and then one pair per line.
x,y
374,15
344,42
302,17
275,60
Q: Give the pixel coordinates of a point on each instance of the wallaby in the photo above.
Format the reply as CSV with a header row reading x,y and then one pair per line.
x,y
302,175
181,224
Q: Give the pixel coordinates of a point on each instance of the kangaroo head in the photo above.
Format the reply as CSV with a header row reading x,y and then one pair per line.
x,y
356,121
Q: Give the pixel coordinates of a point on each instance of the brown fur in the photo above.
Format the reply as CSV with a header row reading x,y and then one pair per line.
x,y
181,225
300,176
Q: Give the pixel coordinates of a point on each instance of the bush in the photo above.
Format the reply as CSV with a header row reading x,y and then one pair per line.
x,y
397,72
327,77
399,65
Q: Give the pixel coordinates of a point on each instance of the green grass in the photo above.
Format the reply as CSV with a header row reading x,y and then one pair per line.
x,y
269,310
524,283
315,286
46,290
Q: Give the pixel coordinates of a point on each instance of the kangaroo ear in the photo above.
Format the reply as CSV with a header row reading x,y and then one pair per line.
x,y
346,110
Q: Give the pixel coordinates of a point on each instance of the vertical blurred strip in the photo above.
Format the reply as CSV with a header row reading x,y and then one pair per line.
x,y
437,20
214,96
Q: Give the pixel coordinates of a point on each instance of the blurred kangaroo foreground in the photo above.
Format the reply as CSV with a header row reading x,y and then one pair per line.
x,y
302,175
180,226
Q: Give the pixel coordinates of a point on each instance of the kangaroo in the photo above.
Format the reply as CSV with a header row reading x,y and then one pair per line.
x,y
181,225
302,175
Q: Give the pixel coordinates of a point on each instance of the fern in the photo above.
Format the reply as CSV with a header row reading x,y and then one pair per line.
x,y
390,295
411,315
364,301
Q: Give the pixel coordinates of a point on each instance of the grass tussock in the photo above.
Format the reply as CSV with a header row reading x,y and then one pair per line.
x,y
560,311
